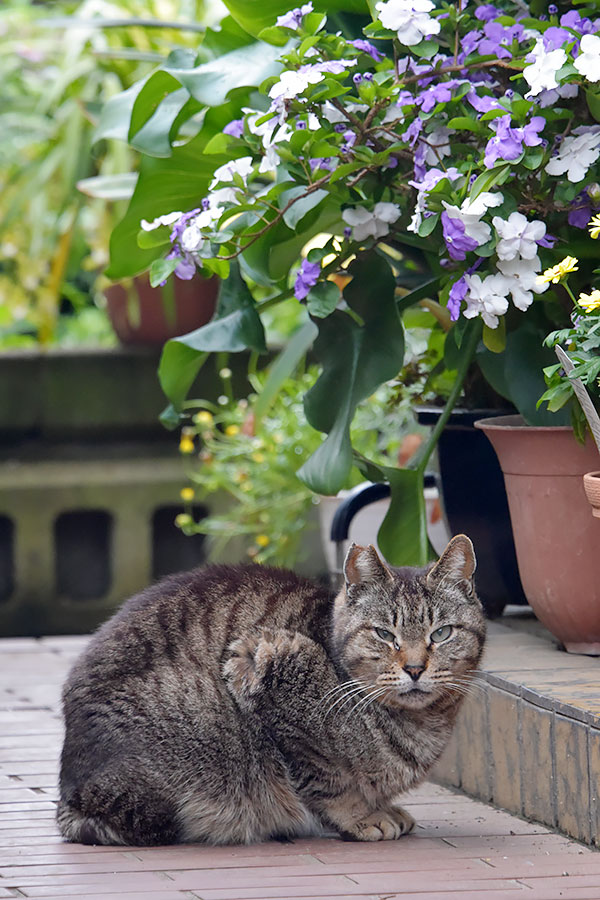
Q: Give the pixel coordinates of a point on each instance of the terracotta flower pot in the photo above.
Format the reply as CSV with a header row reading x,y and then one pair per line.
x,y
141,314
557,542
591,486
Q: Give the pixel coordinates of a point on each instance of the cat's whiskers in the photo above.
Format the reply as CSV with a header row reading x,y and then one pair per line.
x,y
373,695
345,698
338,687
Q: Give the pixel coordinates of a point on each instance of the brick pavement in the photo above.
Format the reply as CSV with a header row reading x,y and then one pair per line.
x,y
461,848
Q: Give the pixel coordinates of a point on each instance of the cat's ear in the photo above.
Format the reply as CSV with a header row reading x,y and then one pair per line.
x,y
363,566
455,566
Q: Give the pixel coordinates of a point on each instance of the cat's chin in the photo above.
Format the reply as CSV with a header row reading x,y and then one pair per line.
x,y
414,698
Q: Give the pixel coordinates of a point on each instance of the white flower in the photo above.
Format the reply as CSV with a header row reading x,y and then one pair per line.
x,y
486,298
167,219
576,153
292,82
438,145
371,224
518,236
409,18
470,214
520,279
588,61
241,167
271,133
541,74
192,238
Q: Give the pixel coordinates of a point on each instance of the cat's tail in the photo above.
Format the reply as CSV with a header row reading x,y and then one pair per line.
x,y
79,829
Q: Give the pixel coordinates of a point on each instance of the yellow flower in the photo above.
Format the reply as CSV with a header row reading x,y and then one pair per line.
x,y
263,540
182,520
258,457
232,430
558,272
204,418
186,445
591,301
187,494
594,226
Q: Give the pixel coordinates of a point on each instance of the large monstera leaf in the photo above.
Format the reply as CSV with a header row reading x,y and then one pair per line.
x,y
358,351
254,15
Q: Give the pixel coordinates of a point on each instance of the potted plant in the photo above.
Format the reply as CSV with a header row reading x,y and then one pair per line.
x,y
543,469
447,153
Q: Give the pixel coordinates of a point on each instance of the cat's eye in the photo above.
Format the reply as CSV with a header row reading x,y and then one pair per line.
x,y
386,635
441,634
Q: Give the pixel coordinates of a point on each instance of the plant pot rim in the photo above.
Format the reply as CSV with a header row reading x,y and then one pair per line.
x,y
517,423
595,474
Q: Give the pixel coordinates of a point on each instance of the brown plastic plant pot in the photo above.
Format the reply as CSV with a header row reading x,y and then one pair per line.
x,y
556,539
591,486
143,315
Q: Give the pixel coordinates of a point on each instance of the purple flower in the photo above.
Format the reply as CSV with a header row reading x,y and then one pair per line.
x,y
405,98
180,226
457,242
235,128
419,160
470,41
357,78
554,38
439,93
347,232
496,36
507,143
484,103
458,292
186,268
326,162
529,133
580,212
487,12
413,131
307,277
573,20
367,47
549,240
368,76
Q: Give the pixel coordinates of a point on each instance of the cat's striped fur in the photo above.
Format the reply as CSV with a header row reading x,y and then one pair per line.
x,y
235,703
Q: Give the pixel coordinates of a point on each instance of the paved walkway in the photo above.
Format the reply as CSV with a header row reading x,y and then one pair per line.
x,y
461,848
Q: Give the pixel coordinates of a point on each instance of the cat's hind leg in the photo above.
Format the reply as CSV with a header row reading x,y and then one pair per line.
x,y
120,805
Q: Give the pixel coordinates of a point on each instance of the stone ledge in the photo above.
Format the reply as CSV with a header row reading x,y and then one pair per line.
x,y
528,737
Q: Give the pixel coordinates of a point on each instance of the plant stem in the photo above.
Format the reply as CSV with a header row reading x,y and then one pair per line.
x,y
471,339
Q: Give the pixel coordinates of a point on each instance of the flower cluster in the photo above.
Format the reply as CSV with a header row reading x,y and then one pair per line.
x,y
477,140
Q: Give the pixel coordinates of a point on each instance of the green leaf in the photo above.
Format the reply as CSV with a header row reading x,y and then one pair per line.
x,y
274,35
593,102
284,365
155,136
109,187
533,158
464,123
237,327
517,373
402,536
428,225
254,15
116,114
158,86
426,49
211,82
323,299
157,237
487,180
161,269
355,360
165,185
302,206
495,338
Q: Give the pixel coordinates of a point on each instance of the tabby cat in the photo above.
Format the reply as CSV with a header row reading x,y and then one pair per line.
x,y
232,704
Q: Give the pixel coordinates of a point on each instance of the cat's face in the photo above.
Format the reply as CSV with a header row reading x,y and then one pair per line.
x,y
409,636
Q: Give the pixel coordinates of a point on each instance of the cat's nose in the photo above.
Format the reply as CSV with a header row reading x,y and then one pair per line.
x,y
415,671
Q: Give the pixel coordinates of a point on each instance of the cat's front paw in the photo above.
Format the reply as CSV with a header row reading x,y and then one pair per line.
x,y
251,657
388,825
